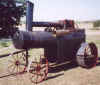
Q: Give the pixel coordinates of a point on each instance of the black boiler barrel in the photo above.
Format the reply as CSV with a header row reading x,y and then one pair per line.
x,y
36,39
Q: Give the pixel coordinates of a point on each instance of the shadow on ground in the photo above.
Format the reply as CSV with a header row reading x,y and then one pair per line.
x,y
51,77
62,67
58,67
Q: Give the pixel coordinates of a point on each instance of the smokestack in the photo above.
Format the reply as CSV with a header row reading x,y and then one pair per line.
x,y
29,14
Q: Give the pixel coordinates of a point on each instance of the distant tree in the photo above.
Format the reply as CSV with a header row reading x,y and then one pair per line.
x,y
10,15
3,44
97,23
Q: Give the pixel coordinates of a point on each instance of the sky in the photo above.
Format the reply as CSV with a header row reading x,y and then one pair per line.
x,y
79,10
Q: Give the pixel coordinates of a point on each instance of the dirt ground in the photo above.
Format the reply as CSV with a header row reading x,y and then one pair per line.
x,y
65,74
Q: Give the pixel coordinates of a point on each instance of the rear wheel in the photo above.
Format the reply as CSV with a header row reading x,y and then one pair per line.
x,y
87,55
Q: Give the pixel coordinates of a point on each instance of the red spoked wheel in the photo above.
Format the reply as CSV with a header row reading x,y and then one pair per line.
x,y
17,63
38,70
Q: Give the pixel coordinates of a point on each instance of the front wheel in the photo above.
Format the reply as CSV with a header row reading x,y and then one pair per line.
x,y
38,70
17,63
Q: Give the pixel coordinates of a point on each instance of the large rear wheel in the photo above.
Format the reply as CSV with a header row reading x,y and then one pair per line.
x,y
87,55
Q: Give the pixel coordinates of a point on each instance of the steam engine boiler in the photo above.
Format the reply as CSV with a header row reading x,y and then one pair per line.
x,y
61,40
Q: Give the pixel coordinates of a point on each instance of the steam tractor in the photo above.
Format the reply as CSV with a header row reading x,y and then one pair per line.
x,y
61,41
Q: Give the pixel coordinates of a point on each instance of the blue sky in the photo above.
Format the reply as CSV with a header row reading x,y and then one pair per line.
x,y
51,10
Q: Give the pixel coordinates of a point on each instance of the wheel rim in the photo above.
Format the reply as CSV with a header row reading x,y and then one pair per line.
x,y
39,70
17,63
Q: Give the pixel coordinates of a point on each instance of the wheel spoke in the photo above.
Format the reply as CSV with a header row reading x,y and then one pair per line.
x,y
37,78
10,66
14,57
20,68
11,61
12,69
17,56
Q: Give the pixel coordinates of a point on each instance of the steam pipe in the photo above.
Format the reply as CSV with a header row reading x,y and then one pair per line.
x,y
46,24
